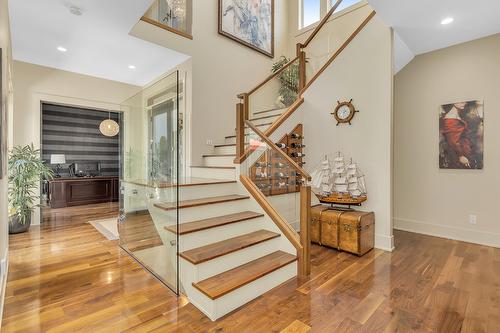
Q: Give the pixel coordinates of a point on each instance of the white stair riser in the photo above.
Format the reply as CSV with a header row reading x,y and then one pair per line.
x,y
196,192
138,196
215,309
228,174
224,161
225,150
217,234
232,260
165,218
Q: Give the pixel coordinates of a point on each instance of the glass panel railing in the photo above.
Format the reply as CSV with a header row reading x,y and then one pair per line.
x,y
332,38
272,98
174,15
150,169
274,175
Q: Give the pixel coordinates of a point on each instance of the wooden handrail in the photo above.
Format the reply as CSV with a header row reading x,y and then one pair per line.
x,y
302,242
166,27
339,51
269,78
320,25
281,119
280,222
278,150
274,126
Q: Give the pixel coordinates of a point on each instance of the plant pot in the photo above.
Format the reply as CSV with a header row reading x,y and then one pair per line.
x,y
15,225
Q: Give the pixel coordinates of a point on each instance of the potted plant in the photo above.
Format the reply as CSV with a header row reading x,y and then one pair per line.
x,y
289,80
26,168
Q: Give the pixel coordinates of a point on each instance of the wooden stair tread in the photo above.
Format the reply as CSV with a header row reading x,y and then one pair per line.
x,y
269,110
184,182
266,117
222,284
187,228
200,202
213,167
211,251
220,155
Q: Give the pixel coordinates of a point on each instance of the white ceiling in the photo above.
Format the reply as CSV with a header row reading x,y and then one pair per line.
x,y
418,23
98,42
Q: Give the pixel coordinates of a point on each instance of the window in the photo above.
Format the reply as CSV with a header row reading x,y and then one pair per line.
x,y
344,4
311,11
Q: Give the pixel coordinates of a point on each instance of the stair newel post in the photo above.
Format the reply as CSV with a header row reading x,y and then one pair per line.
x,y
305,231
240,132
302,71
246,106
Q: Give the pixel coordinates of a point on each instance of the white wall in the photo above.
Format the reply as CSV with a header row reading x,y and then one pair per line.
x,y
362,72
433,201
221,69
7,105
34,84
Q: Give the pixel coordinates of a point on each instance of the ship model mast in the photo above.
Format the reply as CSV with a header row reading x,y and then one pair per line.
x,y
338,182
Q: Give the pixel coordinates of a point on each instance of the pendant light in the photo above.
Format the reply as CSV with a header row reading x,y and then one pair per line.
x,y
109,127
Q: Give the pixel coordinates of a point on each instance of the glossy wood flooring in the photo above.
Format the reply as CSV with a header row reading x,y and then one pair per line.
x,y
66,277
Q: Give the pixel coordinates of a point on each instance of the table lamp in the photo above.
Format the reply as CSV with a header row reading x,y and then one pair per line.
x,y
57,159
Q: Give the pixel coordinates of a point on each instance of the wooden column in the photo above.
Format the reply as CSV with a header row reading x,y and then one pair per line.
x,y
305,230
302,70
240,132
246,106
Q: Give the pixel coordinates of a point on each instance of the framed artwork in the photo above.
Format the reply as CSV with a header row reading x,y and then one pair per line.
x,y
249,22
3,125
461,134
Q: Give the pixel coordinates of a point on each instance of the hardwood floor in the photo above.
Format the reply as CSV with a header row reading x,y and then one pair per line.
x,y
66,277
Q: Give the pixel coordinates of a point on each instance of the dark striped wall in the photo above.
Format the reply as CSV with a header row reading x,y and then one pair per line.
x,y
75,133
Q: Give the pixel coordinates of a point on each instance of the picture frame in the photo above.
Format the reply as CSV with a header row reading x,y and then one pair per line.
x,y
3,124
461,135
257,32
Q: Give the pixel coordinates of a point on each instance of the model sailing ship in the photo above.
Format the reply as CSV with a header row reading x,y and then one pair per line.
x,y
339,182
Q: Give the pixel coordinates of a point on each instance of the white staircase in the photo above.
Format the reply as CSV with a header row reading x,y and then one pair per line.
x,y
230,251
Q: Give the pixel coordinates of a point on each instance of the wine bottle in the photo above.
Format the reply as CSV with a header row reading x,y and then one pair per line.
x,y
282,184
296,136
263,186
280,165
297,145
296,154
296,174
261,175
262,164
281,145
280,175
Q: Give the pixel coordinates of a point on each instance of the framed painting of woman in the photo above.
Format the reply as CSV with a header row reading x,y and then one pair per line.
x,y
461,131
249,22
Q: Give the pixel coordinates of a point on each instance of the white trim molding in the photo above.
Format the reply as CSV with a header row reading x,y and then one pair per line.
x,y
384,242
449,232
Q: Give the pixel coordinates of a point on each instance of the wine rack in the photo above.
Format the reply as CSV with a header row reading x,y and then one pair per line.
x,y
272,173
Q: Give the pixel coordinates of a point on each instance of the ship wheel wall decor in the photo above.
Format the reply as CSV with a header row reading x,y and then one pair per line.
x,y
344,112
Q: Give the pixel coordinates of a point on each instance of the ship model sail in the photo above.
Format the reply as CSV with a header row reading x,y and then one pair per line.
x,y
339,182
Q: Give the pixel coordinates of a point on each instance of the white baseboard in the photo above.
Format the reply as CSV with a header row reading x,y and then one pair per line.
x,y
384,242
449,232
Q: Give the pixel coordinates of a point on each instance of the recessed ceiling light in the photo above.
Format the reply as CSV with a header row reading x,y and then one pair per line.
x,y
447,20
62,49
131,66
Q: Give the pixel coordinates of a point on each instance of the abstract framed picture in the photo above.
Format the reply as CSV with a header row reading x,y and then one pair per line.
x,y
249,22
461,135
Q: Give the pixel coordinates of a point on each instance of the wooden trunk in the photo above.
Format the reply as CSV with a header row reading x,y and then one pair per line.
x,y
357,232
316,215
330,228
